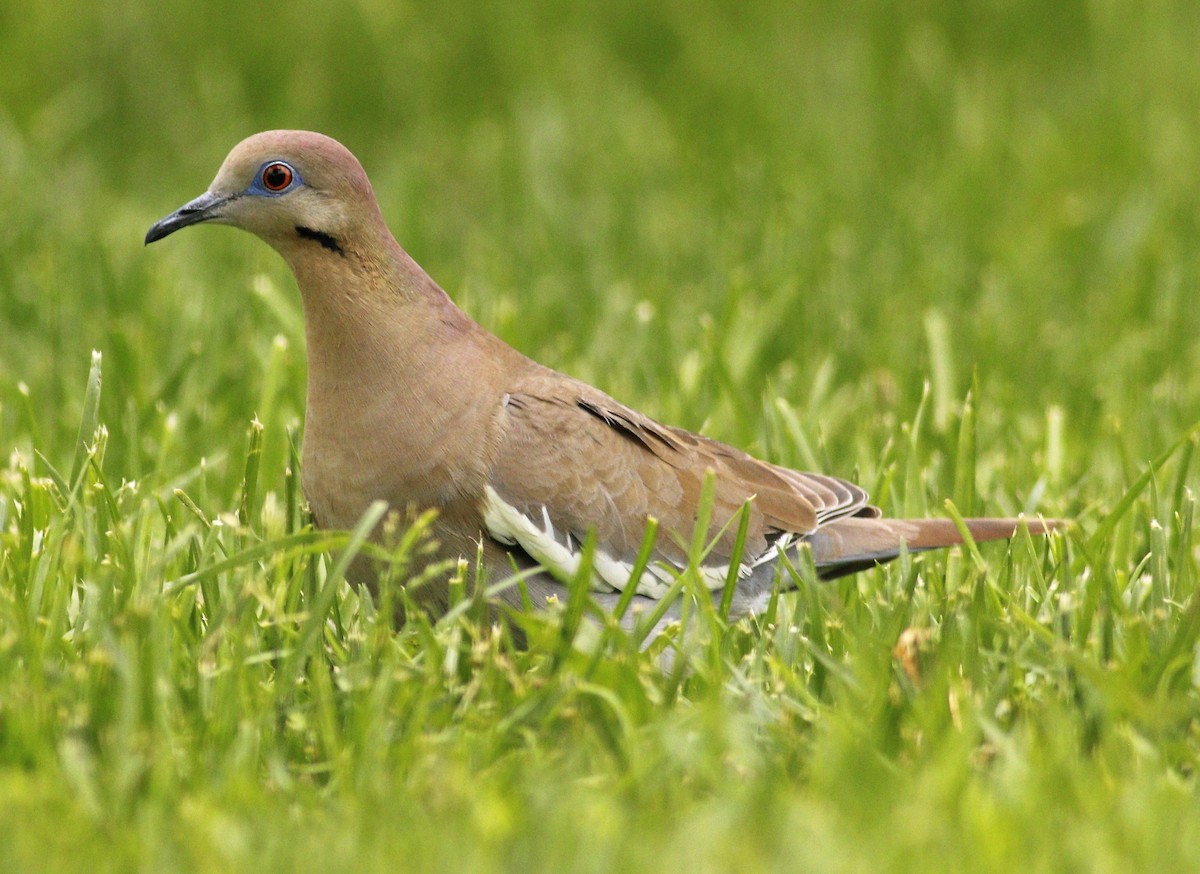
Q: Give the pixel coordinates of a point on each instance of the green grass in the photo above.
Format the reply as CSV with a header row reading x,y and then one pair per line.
x,y
946,249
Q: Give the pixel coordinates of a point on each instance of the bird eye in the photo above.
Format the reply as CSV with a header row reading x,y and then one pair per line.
x,y
276,176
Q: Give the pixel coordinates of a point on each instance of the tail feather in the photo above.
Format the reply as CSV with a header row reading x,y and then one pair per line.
x,y
855,543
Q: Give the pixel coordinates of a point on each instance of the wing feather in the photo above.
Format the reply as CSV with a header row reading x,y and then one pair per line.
x,y
570,460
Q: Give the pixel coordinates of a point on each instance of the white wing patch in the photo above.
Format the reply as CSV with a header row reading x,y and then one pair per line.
x,y
561,556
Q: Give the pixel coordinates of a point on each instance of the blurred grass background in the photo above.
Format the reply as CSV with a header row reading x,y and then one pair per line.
x,y
772,221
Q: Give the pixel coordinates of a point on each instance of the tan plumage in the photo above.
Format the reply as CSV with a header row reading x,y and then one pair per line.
x,y
412,402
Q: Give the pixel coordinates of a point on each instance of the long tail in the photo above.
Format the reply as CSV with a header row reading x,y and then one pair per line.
x,y
855,543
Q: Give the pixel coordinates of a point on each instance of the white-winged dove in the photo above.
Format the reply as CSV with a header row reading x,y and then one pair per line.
x,y
412,402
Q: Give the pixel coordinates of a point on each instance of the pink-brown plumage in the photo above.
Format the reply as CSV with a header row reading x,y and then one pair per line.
x,y
412,402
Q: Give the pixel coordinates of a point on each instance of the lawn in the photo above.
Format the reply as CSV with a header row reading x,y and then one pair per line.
x,y
947,250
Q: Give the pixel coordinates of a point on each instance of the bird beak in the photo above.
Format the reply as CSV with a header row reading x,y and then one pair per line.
x,y
204,208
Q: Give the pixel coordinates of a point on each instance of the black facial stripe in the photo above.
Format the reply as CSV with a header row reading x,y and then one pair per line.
x,y
321,237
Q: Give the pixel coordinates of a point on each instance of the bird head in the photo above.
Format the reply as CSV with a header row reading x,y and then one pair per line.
x,y
290,188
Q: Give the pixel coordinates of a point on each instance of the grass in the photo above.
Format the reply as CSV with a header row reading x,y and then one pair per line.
x,y
949,252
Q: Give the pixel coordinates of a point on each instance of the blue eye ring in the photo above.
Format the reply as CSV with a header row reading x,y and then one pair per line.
x,y
274,178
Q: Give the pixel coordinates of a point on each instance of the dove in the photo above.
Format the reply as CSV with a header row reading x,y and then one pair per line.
x,y
411,402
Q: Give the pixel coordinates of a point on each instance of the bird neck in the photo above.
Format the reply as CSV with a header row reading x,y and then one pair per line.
x,y
395,370
373,318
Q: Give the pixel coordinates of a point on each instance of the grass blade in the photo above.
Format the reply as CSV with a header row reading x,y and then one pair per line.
x,y
89,420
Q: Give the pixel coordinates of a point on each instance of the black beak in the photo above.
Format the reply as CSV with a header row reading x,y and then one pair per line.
x,y
205,207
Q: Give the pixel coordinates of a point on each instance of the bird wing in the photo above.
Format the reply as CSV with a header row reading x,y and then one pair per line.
x,y
571,460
